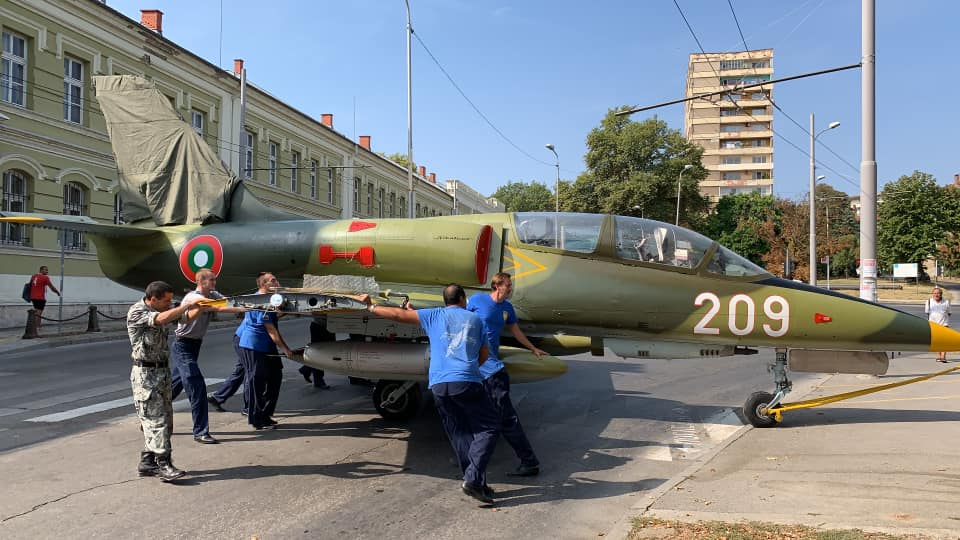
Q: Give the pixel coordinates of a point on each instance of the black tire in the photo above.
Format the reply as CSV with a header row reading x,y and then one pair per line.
x,y
752,410
405,408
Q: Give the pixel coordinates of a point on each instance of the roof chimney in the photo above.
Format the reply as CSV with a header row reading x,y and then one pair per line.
x,y
422,171
365,141
237,66
433,178
956,179
327,120
152,19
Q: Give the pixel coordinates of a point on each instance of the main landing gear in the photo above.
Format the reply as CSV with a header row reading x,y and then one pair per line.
x,y
755,409
397,400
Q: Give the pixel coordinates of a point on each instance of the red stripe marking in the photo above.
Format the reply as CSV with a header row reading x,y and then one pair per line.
x,y
820,318
360,226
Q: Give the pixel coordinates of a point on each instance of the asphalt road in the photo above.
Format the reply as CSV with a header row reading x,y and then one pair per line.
x,y
607,433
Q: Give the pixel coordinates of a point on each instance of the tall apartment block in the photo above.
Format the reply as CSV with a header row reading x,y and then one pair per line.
x,y
734,129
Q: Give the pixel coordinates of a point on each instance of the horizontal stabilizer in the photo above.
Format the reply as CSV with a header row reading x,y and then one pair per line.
x,y
73,223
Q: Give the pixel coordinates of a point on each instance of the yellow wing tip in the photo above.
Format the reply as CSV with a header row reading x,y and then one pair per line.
x,y
943,338
22,219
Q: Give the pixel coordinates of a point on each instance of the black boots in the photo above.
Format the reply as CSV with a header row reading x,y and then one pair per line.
x,y
155,465
148,464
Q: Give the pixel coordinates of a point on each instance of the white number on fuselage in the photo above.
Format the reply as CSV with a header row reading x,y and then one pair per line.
x,y
775,308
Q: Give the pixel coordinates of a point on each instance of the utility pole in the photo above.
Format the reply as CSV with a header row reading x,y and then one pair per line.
x,y
411,188
868,159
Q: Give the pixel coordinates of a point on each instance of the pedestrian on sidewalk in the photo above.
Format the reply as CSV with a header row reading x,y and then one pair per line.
x,y
147,322
39,283
185,351
937,309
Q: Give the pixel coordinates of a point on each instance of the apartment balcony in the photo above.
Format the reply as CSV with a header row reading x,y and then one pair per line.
x,y
746,134
745,167
745,151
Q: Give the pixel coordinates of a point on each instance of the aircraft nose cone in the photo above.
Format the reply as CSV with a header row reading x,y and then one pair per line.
x,y
943,339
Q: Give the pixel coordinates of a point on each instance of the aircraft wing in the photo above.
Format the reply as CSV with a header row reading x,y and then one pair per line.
x,y
74,223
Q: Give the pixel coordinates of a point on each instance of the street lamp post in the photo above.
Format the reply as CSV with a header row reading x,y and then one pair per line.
x,y
813,205
554,150
686,167
411,195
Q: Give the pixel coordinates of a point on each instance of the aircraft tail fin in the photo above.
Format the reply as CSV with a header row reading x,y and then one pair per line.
x,y
74,223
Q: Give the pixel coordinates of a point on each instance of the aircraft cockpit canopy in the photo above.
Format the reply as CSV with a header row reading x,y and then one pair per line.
x,y
569,231
636,239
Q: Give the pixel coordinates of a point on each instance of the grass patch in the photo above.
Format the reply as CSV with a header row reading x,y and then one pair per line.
x,y
647,528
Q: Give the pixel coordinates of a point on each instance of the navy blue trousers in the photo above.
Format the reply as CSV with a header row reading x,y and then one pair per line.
x,y
187,376
471,424
498,388
233,382
274,377
255,369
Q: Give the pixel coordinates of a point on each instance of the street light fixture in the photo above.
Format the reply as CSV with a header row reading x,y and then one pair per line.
x,y
550,147
813,204
686,167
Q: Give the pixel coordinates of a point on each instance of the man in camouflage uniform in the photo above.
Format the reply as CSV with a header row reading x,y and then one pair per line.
x,y
150,376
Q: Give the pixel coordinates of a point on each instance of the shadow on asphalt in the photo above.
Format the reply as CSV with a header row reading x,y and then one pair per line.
x,y
568,430
825,416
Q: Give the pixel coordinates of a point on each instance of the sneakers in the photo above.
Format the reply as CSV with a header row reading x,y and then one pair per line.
x,y
477,492
206,438
265,427
217,406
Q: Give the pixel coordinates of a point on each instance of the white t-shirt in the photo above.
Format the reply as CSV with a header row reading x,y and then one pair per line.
x,y
196,328
939,312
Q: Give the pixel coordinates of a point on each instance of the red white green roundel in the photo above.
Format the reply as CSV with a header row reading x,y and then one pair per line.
x,y
204,251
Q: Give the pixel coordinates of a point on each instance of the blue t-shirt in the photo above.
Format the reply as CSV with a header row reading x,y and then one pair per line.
x,y
456,336
495,315
252,333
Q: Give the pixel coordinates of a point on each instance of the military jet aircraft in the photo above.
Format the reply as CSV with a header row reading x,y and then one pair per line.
x,y
638,287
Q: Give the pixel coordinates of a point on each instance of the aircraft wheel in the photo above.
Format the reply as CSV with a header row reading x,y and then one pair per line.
x,y
756,403
404,408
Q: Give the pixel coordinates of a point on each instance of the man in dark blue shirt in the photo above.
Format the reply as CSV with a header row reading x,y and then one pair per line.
x,y
457,349
496,312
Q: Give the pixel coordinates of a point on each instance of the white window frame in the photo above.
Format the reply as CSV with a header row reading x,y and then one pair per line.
x,y
370,199
273,164
330,185
402,205
294,171
197,121
72,88
9,60
381,195
356,193
248,155
313,178
117,210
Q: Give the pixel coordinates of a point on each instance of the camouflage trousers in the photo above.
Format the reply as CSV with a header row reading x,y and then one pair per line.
x,y
152,398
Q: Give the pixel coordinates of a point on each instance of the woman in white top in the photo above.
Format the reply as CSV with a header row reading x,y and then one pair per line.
x,y
937,309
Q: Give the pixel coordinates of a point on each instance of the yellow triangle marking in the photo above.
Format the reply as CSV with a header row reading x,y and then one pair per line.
x,y
512,264
538,267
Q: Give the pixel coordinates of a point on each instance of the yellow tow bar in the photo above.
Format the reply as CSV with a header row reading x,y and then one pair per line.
x,y
777,412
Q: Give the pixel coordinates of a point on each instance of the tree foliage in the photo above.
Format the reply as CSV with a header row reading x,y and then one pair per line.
x,y
914,220
743,223
523,197
633,168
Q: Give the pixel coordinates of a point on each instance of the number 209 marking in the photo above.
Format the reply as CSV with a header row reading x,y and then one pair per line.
x,y
775,308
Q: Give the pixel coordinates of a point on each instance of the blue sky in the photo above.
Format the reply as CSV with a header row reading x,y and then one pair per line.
x,y
547,72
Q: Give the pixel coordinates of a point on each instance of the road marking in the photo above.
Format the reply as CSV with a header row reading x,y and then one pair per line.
x,y
97,407
72,397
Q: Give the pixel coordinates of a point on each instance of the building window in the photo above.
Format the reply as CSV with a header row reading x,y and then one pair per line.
x,y
759,159
758,96
763,64
247,154
760,111
761,126
758,143
729,112
732,64
731,160
370,199
273,164
733,144
402,207
393,204
330,185
294,171
14,82
760,175
417,211
196,120
381,195
731,176
313,179
74,204
14,200
730,128
117,210
72,90
356,194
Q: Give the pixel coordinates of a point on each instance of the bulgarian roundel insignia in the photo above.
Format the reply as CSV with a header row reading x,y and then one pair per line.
x,y
204,251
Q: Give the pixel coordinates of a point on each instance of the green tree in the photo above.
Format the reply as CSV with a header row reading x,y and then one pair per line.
x,y
523,197
838,231
739,221
398,158
912,220
637,164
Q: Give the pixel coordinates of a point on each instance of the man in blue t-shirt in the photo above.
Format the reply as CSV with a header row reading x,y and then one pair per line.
x,y
496,312
457,350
